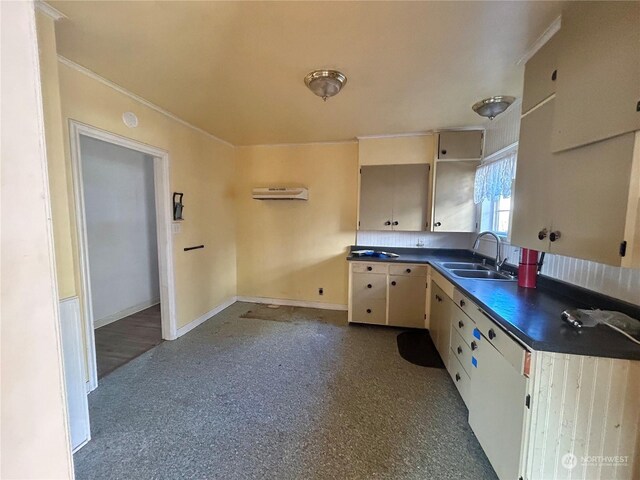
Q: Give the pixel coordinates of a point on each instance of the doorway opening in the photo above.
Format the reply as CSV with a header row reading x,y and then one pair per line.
x,y
123,212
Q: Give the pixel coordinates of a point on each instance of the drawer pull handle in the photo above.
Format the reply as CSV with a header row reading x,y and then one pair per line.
x,y
460,324
368,310
474,345
369,286
492,334
458,377
459,350
369,269
393,283
462,303
408,270
395,223
387,223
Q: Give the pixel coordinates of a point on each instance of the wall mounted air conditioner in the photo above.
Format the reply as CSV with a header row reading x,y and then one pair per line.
x,y
281,193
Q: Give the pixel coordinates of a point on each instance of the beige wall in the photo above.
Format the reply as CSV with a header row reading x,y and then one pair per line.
x,y
396,150
288,249
201,167
34,437
58,174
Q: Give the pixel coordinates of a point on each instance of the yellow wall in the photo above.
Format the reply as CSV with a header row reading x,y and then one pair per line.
x,y
58,175
201,167
288,249
396,150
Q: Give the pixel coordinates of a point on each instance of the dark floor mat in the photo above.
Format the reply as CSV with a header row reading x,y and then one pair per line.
x,y
416,346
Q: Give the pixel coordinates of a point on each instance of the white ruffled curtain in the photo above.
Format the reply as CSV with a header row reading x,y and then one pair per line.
x,y
494,179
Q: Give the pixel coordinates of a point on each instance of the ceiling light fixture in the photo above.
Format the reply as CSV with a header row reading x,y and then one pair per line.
x,y
325,83
493,106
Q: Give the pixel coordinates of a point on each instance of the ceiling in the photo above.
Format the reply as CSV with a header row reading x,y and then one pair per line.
x,y
236,69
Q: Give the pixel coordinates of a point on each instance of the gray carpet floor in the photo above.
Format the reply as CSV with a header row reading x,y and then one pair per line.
x,y
299,396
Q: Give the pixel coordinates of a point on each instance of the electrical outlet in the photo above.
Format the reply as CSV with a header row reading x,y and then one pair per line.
x,y
321,291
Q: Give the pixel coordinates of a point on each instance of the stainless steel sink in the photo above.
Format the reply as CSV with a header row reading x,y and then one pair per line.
x,y
465,266
483,275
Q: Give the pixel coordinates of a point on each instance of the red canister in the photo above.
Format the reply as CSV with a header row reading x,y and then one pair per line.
x,y
528,268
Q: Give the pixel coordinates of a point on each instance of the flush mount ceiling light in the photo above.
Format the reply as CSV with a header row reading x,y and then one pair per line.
x,y
493,106
325,83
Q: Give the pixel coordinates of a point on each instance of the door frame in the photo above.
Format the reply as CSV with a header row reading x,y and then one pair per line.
x,y
164,214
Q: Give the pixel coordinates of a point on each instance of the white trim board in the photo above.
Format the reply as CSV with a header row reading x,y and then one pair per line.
x,y
164,214
91,74
203,318
50,11
293,303
101,322
544,37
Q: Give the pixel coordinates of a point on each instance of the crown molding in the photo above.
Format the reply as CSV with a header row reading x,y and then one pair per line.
x,y
91,74
541,40
396,135
298,144
49,11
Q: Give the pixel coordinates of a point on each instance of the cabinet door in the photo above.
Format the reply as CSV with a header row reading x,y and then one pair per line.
x,y
532,191
497,409
376,197
460,145
440,320
369,298
435,308
590,195
406,300
410,197
598,73
453,207
540,75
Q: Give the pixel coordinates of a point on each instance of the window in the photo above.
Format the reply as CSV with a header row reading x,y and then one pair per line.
x,y
492,191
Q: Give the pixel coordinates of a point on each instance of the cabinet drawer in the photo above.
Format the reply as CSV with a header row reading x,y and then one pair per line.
x,y
446,286
362,267
369,311
412,270
368,286
463,324
461,351
459,377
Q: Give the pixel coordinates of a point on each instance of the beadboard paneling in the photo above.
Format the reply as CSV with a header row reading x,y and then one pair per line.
x,y
504,130
413,239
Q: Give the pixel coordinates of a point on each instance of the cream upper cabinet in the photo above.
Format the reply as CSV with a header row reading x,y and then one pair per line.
x,y
394,197
453,207
460,145
598,86
532,201
541,75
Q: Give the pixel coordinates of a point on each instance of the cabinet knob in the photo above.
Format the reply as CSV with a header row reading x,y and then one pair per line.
x,y
368,310
437,224
457,377
408,270
492,334
542,234
462,303
395,223
387,223
554,75
369,286
553,236
369,269
438,298
460,324
443,152
459,350
474,345
393,283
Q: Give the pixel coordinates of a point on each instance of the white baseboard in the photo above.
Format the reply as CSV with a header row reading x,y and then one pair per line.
x,y
293,303
203,318
125,313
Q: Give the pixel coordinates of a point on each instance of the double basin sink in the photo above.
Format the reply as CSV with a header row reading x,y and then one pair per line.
x,y
476,271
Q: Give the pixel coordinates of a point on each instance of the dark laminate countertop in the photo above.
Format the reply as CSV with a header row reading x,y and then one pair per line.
x,y
531,315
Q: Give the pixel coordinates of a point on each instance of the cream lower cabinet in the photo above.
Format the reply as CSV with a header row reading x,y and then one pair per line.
x,y
388,294
440,320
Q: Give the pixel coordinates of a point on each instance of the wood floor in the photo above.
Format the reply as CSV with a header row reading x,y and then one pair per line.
x,y
125,339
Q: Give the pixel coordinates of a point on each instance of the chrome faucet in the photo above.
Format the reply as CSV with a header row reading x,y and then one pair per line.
x,y
499,263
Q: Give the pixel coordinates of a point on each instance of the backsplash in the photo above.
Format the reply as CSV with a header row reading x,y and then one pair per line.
x,y
617,282
414,239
